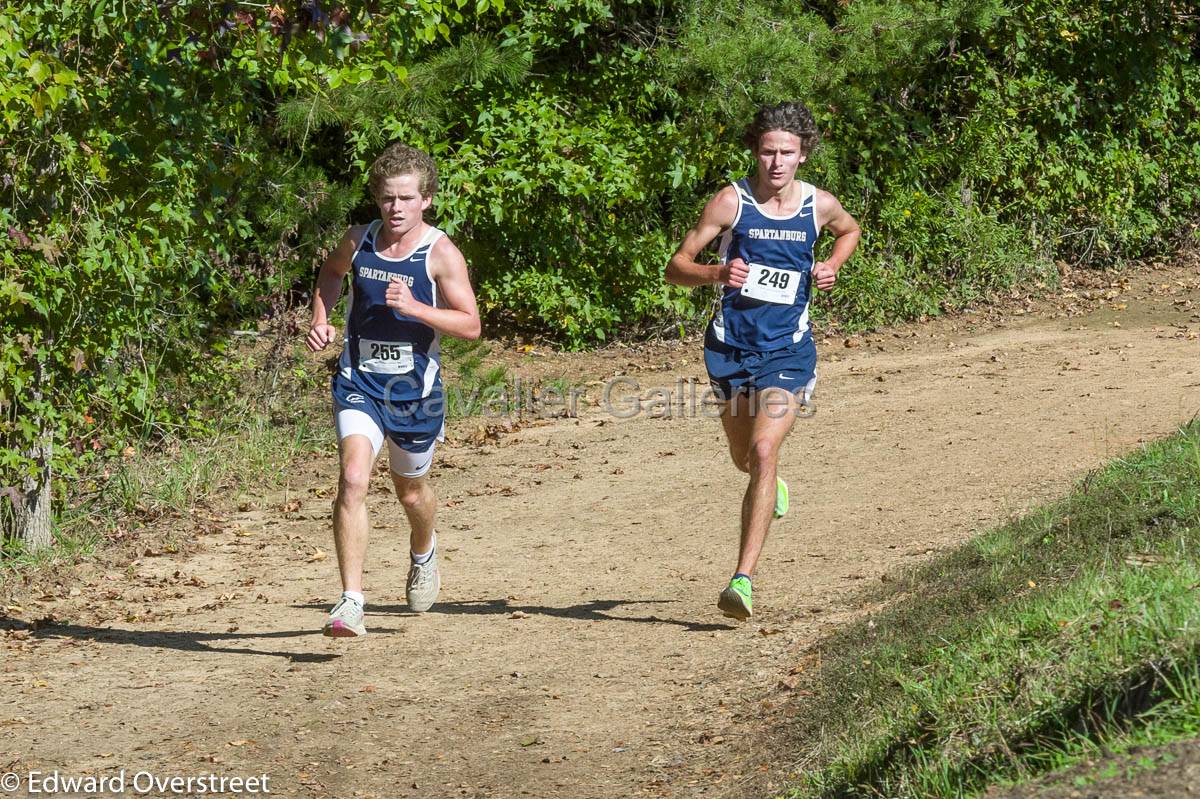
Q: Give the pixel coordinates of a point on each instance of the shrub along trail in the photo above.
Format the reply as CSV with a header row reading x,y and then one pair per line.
x,y
576,650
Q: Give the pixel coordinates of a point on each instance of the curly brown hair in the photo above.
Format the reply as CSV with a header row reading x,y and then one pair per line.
x,y
793,118
400,159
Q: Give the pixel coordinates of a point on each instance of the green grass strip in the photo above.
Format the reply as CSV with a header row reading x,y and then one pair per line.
x,y
1073,628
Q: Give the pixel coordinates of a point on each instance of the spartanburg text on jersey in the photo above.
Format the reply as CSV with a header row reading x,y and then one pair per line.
x,y
779,251
387,355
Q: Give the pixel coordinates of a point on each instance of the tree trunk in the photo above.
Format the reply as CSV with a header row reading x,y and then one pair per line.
x,y
29,521
33,515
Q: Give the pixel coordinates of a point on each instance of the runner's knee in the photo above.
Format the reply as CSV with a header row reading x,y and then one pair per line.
x,y
411,494
353,484
763,454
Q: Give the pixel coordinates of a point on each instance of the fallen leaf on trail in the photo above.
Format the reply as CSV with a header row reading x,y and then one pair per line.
x,y
518,614
242,742
530,740
319,555
290,507
769,631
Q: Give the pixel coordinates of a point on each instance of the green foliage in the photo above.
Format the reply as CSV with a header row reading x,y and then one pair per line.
x,y
556,161
144,217
976,141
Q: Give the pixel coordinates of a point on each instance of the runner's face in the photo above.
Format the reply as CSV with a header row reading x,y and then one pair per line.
x,y
400,203
778,154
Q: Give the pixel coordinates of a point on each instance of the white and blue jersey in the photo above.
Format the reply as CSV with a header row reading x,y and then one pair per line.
x,y
388,356
771,312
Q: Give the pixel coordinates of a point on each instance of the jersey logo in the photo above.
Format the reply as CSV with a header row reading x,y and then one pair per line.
x,y
774,234
383,275
355,399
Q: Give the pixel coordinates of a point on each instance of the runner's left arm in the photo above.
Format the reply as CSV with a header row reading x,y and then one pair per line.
x,y
459,315
834,218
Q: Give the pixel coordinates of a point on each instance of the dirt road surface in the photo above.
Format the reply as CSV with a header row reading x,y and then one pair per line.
x,y
576,650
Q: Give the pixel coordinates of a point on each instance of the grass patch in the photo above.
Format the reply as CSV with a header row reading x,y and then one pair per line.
x,y
1072,629
471,388
252,454
246,453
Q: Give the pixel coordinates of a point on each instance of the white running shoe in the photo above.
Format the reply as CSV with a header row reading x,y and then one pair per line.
x,y
345,620
423,584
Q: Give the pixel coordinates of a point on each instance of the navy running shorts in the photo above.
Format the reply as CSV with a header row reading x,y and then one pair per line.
x,y
731,370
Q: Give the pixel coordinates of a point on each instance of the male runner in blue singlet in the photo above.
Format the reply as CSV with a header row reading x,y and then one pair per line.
x,y
408,286
758,348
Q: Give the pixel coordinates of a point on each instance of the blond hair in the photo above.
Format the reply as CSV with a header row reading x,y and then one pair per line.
x,y
400,159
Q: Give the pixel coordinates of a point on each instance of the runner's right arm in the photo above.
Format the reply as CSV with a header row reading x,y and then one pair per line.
x,y
718,215
329,289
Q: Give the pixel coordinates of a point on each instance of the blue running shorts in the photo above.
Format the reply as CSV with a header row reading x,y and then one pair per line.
x,y
731,370
412,427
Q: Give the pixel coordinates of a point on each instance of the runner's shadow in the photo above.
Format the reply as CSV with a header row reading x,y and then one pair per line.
x,y
596,610
182,641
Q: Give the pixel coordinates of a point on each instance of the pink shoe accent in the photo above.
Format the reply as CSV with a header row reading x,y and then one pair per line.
x,y
339,630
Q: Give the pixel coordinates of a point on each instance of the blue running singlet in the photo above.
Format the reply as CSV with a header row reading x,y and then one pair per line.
x,y
388,356
771,311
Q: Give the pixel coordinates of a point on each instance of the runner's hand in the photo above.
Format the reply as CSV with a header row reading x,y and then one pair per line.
x,y
399,296
319,337
734,273
824,275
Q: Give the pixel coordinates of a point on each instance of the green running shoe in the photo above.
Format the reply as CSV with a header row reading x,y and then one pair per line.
x,y
735,599
781,497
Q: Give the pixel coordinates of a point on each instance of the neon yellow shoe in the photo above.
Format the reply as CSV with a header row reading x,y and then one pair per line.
x,y
735,599
781,497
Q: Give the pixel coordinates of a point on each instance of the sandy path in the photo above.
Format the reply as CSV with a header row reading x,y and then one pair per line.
x,y
576,650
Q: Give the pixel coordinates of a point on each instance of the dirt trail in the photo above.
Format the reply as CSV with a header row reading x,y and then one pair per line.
x,y
576,650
